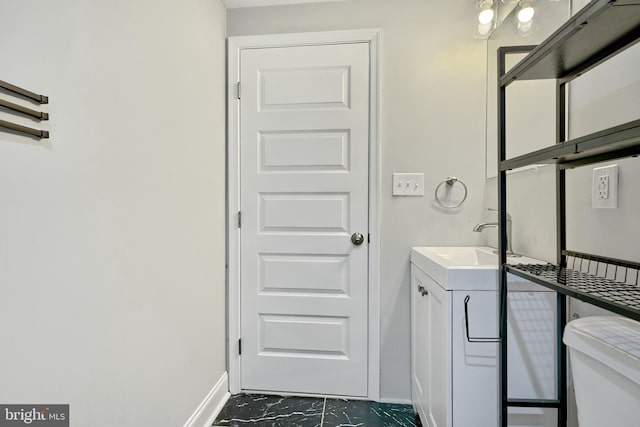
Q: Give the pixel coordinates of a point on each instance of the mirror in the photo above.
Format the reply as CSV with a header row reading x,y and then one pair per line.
x,y
530,120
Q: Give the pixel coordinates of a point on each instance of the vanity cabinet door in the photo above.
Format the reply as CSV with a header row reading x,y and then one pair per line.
x,y
430,350
419,344
439,413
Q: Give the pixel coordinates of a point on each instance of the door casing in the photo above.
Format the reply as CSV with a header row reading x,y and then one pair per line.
x,y
234,46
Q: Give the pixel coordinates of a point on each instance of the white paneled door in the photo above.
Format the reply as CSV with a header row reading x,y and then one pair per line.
x,y
304,138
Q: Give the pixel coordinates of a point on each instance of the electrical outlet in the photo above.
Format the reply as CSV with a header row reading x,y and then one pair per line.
x,y
605,187
408,184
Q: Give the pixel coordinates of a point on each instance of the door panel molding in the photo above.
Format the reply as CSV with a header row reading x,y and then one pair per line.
x,y
235,45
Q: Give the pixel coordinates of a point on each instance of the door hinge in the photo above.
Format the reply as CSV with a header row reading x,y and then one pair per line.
x,y
238,90
240,347
368,238
239,219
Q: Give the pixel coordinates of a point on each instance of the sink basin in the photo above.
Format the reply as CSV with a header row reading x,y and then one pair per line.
x,y
462,256
459,268
464,267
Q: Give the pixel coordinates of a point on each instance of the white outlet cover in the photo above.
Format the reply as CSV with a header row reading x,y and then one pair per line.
x,y
604,193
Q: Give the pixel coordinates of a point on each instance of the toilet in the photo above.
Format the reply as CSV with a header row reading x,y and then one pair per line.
x,y
604,353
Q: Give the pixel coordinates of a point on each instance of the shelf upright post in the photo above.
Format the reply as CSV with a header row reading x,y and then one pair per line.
x,y
502,227
502,241
561,237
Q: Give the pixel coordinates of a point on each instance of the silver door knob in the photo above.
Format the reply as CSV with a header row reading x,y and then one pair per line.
x,y
357,239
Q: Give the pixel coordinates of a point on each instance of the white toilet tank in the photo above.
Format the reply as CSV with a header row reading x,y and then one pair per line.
x,y
604,353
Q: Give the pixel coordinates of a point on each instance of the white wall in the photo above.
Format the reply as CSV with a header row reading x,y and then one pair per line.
x,y
607,96
432,121
112,235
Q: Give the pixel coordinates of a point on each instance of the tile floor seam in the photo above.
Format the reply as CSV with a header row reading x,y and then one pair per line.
x,y
324,406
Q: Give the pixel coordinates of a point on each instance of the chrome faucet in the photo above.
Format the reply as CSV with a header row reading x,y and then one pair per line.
x,y
481,226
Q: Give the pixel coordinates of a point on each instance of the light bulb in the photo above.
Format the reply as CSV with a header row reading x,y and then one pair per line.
x,y
524,28
483,30
485,16
526,14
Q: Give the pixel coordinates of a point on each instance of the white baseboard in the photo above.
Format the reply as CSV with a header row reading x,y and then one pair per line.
x,y
206,413
395,401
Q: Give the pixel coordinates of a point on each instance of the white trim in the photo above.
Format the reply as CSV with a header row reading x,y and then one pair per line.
x,y
297,394
535,168
235,45
233,205
396,401
526,168
232,4
206,413
375,187
303,39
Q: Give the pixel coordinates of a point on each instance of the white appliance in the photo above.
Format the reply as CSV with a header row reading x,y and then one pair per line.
x,y
604,352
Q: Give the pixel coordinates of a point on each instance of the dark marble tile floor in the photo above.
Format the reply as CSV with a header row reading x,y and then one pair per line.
x,y
293,411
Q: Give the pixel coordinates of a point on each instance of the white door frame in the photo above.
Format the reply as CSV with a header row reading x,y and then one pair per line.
x,y
235,45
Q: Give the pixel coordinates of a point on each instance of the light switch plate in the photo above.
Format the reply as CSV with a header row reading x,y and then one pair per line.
x,y
605,187
408,184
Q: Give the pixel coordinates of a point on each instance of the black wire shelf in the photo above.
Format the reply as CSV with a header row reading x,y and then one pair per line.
x,y
599,31
618,297
614,143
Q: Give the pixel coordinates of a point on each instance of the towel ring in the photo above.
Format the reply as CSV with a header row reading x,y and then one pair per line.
x,y
450,181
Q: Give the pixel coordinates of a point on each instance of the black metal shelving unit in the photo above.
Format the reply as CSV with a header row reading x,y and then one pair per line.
x,y
602,29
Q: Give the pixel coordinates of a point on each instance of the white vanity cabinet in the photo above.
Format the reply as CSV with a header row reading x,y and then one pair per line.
x,y
454,382
450,377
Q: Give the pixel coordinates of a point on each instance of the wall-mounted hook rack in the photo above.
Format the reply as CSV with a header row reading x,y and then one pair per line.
x,y
24,129
13,107
23,92
24,110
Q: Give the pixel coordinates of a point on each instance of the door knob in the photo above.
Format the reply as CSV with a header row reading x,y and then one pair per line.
x,y
357,239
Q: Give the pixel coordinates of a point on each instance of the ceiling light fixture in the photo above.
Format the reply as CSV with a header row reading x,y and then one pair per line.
x,y
485,19
526,12
524,18
486,12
